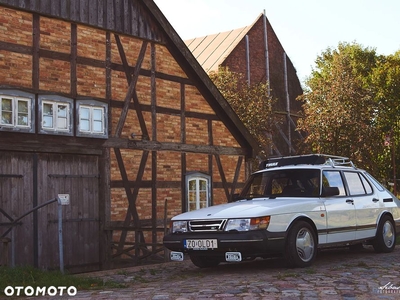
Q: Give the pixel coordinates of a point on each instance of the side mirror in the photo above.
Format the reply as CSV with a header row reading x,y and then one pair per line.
x,y
330,191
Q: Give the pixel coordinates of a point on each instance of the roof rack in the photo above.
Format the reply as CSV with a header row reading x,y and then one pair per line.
x,y
309,159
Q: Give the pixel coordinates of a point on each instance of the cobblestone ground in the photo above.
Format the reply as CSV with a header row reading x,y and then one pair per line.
x,y
336,274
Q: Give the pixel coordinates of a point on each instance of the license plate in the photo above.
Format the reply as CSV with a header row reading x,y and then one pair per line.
x,y
233,256
176,256
203,244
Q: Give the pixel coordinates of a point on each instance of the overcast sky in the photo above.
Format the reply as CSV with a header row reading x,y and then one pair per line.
x,y
304,28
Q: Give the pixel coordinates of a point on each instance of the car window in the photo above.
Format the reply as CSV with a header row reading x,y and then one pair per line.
x,y
366,184
375,182
333,179
285,183
355,184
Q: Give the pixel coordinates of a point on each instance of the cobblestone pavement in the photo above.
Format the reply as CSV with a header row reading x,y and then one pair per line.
x,y
336,274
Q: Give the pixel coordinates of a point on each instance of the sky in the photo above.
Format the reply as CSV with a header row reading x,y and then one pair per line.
x,y
305,28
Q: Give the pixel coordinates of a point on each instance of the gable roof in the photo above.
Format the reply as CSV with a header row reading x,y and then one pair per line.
x,y
211,50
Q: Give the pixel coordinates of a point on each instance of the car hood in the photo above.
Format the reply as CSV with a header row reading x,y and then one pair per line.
x,y
252,208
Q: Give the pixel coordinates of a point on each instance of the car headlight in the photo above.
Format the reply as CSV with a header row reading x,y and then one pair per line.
x,y
247,224
179,226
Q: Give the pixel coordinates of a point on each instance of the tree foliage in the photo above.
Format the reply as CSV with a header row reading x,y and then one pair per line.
x,y
351,104
250,102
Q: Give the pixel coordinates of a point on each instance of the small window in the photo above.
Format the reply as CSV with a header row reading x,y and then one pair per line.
x,y
92,119
16,112
375,182
55,115
366,184
198,191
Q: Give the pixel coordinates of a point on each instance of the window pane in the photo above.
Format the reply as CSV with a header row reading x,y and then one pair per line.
x,y
97,114
47,109
84,125
97,126
366,184
84,113
333,179
192,185
6,104
23,119
22,106
62,123
354,183
192,206
203,185
62,111
203,196
6,118
47,122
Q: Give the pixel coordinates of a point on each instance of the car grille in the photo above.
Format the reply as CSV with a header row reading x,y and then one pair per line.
x,y
206,225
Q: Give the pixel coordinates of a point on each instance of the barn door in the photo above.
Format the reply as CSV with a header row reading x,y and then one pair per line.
x,y
28,180
77,176
16,198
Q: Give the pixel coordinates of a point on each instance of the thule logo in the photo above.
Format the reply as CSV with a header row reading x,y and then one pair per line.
x,y
273,164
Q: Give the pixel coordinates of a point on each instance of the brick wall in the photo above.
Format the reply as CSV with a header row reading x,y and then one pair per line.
x,y
55,77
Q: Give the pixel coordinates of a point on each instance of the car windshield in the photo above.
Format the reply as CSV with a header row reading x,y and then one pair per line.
x,y
283,183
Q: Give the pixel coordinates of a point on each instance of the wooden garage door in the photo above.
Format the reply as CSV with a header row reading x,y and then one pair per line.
x,y
16,198
44,176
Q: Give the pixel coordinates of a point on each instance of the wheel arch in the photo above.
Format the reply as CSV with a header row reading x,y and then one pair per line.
x,y
306,219
381,215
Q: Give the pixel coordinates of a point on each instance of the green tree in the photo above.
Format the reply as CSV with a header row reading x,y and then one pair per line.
x,y
386,79
340,107
250,102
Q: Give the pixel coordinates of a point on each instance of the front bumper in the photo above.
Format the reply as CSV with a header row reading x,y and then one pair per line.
x,y
251,244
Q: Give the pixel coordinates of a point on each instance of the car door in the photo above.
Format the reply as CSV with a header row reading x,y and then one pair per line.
x,y
340,210
366,203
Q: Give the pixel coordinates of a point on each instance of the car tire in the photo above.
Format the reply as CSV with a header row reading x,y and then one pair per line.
x,y
385,239
204,261
301,245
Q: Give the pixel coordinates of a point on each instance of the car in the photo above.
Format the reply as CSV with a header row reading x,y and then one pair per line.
x,y
291,208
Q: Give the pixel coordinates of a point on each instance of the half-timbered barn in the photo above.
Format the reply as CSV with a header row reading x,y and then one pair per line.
x,y
256,52
102,101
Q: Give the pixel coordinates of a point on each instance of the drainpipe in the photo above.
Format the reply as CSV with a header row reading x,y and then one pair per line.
x,y
247,59
287,102
266,52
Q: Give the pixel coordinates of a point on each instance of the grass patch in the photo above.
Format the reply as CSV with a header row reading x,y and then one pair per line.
x,y
281,276
29,276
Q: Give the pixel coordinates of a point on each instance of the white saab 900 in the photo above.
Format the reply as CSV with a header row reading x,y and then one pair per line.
x,y
291,208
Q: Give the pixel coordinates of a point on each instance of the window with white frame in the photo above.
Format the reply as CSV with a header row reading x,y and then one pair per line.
x,y
198,191
16,113
55,115
92,118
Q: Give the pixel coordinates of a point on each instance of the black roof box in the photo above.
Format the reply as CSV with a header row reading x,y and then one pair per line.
x,y
309,159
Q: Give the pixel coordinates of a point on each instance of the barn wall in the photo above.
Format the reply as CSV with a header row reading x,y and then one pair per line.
x,y
190,120
131,179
